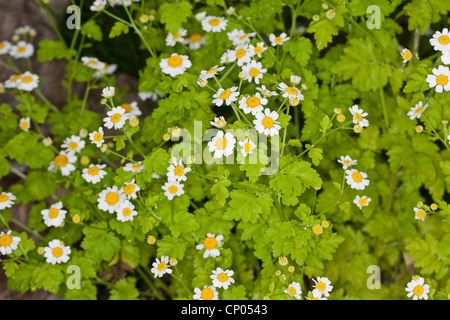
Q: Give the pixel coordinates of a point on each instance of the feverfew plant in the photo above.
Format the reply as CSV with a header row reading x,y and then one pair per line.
x,y
273,150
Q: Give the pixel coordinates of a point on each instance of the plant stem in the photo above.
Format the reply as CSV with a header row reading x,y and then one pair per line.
x,y
28,229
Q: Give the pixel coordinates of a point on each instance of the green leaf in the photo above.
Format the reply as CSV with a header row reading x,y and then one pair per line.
x,y
10,267
125,289
235,293
300,49
25,148
173,15
50,49
96,234
48,278
4,166
325,29
92,30
247,206
117,29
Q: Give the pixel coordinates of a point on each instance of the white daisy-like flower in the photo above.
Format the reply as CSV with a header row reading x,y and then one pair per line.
x,y
172,39
317,229
56,252
28,81
242,54
219,122
208,74
154,96
177,171
172,189
247,147
441,40
294,290
266,123
98,5
254,71
24,124
316,296
64,161
94,173
358,116
420,214
278,40
222,278
6,200
445,57
73,144
8,242
130,190
175,65
290,92
125,211
356,179
5,46
93,63
131,109
240,37
225,95
253,104
21,50
222,144
108,70
211,245
110,199
135,167
266,92
207,293
228,56
161,267
322,286
13,81
417,289
361,201
200,16
96,137
416,111
55,215
346,162
439,79
195,41
214,24
258,49
116,118
406,55
108,92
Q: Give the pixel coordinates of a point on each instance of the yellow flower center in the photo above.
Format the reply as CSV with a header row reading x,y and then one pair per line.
x,y
162,266
210,243
278,40
442,79
53,213
291,90
126,212
21,49
220,123
214,22
112,198
207,294
245,36
253,72
221,143
175,61
73,145
93,62
240,53
98,137
267,122
225,94
418,290
317,229
173,189
195,37
292,290
407,55
212,70
129,189
444,39
24,125
136,166
321,286
5,240
253,102
76,219
357,177
421,213
418,110
175,37
358,117
222,277
16,77
258,50
116,117
178,171
93,171
346,162
2,45
248,147
3,197
27,79
61,160
57,252
127,107
362,201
